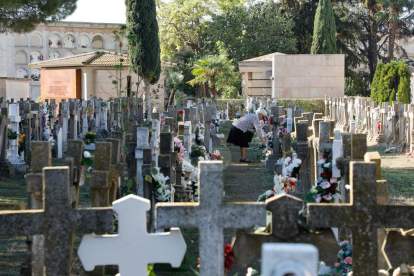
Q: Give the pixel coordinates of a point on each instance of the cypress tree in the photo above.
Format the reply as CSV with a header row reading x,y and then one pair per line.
x,y
324,40
144,43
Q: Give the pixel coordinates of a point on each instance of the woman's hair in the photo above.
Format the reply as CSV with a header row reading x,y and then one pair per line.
x,y
263,112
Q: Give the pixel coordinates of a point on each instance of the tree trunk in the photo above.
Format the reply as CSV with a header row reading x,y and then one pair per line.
x,y
393,29
148,97
213,90
170,100
373,47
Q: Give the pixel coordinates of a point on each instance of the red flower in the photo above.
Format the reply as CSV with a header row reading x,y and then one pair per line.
x,y
228,257
292,183
272,195
181,112
285,185
329,174
325,156
333,187
273,189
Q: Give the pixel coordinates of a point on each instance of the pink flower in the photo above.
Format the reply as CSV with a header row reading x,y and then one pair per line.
x,y
284,131
340,251
318,199
325,185
337,264
348,260
327,197
344,243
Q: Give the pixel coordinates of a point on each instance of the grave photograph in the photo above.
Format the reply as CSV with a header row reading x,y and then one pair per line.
x,y
206,137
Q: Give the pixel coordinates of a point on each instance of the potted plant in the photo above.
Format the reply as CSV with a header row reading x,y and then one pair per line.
x,y
89,139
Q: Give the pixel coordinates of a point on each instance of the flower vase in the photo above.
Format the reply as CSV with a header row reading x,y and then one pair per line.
x,y
14,148
194,161
90,146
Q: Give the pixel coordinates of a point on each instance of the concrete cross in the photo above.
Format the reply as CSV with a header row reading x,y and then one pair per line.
x,y
56,222
132,249
210,215
363,216
284,229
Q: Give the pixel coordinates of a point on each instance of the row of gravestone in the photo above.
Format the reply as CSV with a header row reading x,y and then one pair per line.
x,y
384,123
57,222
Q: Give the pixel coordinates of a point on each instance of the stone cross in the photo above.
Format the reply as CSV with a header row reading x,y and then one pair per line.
x,y
275,156
117,168
142,144
56,222
78,174
211,212
74,117
363,216
155,141
64,116
289,259
284,228
132,249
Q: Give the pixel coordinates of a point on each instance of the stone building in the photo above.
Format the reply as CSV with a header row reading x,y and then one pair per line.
x,y
53,41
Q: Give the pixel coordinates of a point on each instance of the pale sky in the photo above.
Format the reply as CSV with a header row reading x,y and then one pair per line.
x,y
99,11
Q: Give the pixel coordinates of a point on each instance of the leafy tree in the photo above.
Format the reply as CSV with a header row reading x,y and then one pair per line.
x,y
144,50
183,23
324,41
391,80
393,11
212,70
23,16
251,31
175,79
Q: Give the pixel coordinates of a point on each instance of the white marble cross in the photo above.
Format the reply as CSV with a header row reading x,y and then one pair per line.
x,y
132,249
211,215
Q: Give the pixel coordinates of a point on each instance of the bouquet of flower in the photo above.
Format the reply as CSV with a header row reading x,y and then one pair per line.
x,y
22,143
198,151
162,190
179,149
89,138
269,139
283,184
327,186
223,115
215,156
292,166
193,181
12,134
282,130
344,264
263,151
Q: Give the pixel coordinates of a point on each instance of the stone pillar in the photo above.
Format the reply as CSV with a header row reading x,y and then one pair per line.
x,y
142,143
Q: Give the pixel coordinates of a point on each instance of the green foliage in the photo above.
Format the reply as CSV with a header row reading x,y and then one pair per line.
x,y
306,104
216,70
23,16
150,271
251,31
391,80
144,50
127,187
89,138
357,84
324,40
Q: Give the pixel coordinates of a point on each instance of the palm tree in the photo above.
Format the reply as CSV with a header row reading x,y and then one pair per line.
x,y
175,79
393,10
209,69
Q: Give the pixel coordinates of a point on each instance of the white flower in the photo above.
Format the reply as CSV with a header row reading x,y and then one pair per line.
x,y
318,199
327,197
287,160
86,154
200,158
269,193
159,190
284,171
249,271
161,197
325,185
277,179
294,155
348,187
167,192
321,162
334,179
327,165
297,162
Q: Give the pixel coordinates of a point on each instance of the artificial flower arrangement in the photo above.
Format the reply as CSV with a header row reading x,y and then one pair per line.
x,y
22,143
284,184
179,149
162,190
215,156
327,186
282,130
12,134
263,151
31,58
193,182
198,151
59,43
40,57
344,264
35,77
50,42
223,115
87,159
90,138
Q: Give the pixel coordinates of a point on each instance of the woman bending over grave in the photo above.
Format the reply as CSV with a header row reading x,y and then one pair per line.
x,y
240,136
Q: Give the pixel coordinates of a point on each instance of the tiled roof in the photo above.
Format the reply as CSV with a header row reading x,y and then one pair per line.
x,y
98,59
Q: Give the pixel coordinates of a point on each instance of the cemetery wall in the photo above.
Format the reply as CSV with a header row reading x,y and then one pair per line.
x,y
294,76
14,88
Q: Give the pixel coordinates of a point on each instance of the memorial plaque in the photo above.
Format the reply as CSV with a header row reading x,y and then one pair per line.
x,y
61,84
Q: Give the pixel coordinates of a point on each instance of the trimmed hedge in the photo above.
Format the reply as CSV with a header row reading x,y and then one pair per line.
x,y
306,104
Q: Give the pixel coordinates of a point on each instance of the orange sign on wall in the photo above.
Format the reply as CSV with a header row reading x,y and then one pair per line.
x,y
60,84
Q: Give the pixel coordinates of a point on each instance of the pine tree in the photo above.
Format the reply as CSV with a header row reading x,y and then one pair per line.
x,y
324,39
144,43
